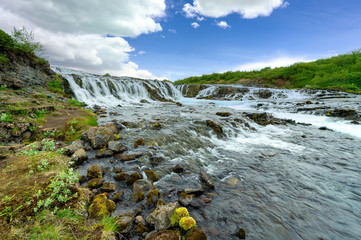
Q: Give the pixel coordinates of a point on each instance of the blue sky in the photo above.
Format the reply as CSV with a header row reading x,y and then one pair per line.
x,y
156,39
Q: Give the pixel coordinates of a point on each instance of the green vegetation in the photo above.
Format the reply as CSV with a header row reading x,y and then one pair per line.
x,y
6,117
3,58
342,73
24,40
75,103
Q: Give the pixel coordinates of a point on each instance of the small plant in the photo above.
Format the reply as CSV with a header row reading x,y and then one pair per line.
x,y
6,117
4,86
24,40
44,165
61,150
32,128
107,75
3,59
48,145
75,103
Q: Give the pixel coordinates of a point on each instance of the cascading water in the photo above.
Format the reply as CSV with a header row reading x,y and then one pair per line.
x,y
276,178
112,91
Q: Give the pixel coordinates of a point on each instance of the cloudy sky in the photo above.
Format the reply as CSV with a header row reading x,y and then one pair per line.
x,y
176,39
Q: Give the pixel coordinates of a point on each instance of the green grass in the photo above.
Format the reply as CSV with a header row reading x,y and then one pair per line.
x,y
342,73
75,103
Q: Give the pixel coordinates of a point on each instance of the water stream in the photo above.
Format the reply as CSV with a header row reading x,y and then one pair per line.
x,y
286,181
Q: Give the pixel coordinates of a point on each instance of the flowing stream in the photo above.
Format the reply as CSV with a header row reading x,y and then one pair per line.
x,y
298,179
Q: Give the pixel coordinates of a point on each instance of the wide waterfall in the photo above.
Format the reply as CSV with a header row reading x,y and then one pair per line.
x,y
112,91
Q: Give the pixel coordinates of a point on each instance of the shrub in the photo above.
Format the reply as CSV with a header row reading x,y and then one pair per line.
x,y
25,41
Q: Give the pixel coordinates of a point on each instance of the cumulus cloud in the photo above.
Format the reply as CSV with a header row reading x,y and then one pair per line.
x,y
223,24
195,25
245,8
76,33
273,63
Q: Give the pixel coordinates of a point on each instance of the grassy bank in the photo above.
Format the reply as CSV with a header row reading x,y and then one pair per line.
x,y
342,73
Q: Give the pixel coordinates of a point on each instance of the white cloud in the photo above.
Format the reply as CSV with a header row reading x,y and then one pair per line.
x,y
172,31
285,4
245,8
273,63
73,31
223,24
195,25
141,52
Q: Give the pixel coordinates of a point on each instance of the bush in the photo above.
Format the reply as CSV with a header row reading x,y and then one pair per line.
x,y
25,41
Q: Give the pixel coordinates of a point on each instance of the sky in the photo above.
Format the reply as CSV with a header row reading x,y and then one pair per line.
x,y
168,39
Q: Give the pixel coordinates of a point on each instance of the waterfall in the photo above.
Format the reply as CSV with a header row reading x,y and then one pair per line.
x,y
111,91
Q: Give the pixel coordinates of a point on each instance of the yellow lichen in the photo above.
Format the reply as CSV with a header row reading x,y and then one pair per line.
x,y
178,214
187,223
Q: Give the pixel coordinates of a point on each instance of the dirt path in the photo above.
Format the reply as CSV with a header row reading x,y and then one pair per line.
x,y
59,119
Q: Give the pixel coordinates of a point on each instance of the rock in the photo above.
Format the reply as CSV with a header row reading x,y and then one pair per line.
x,y
12,82
264,94
80,154
223,114
116,147
143,101
82,179
161,216
142,185
132,178
101,206
216,128
185,199
196,192
157,126
102,137
140,229
152,197
151,175
76,145
179,104
139,142
195,234
346,113
89,135
206,180
266,119
197,203
125,223
241,233
140,219
121,176
131,157
95,183
165,235
95,171
155,160
108,187
138,197
118,197
178,168
207,200
103,153
118,170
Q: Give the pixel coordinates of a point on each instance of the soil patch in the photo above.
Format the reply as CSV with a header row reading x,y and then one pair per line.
x,y
59,119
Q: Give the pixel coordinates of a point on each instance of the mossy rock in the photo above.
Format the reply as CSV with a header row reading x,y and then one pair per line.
x,y
101,206
95,183
138,197
108,187
195,234
165,235
152,196
151,175
122,176
95,171
133,177
216,128
139,142
124,223
140,229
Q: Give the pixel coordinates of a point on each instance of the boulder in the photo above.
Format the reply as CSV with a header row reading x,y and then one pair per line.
x,y
76,145
102,137
121,176
80,154
124,223
103,153
95,171
116,146
142,185
132,178
216,128
165,235
161,216
101,207
95,183
108,187
195,234
206,180
151,175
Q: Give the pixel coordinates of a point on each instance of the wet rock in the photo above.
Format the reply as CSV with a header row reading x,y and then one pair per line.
x,y
223,114
116,147
185,199
143,101
142,185
266,119
161,216
241,233
349,114
206,180
140,229
76,145
152,197
118,170
178,168
151,175
196,192
179,104
99,136
265,94
216,128
101,206
108,187
95,171
138,197
104,153
207,200
197,203
130,157
355,122
80,154
82,179
155,160
139,142
95,183
157,126
165,235
118,197
121,176
133,177
140,219
195,234
161,202
124,223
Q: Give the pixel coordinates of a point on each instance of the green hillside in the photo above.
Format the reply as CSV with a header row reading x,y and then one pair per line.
x,y
341,73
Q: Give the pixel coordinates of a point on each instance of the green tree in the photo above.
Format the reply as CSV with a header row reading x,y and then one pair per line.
x,y
25,41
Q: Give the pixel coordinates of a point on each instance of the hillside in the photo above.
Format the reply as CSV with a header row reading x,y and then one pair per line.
x,y
341,73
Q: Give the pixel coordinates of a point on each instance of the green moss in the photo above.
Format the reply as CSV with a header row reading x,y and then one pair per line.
x,y
151,175
178,214
138,197
187,223
101,206
140,229
152,196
